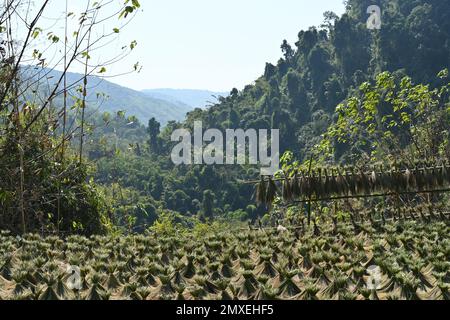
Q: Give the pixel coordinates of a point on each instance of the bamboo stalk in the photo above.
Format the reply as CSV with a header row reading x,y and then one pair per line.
x,y
310,196
300,227
367,173
374,195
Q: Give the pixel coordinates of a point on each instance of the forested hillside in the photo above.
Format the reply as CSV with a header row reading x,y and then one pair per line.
x,y
105,96
93,207
299,96
124,173
192,98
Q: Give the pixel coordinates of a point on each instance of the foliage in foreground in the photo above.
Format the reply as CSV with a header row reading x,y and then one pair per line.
x,y
331,263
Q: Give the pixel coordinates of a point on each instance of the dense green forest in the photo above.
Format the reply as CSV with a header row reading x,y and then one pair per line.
x,y
125,181
92,207
299,96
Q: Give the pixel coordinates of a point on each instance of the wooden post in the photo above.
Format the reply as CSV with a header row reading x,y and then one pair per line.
x,y
310,195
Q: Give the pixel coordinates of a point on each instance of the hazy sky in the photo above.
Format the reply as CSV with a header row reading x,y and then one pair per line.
x,y
210,44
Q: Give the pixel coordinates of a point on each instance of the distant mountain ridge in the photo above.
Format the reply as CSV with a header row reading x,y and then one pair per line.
x,y
191,97
133,102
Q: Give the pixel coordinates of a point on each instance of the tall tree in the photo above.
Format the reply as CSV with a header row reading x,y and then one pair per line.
x,y
153,130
